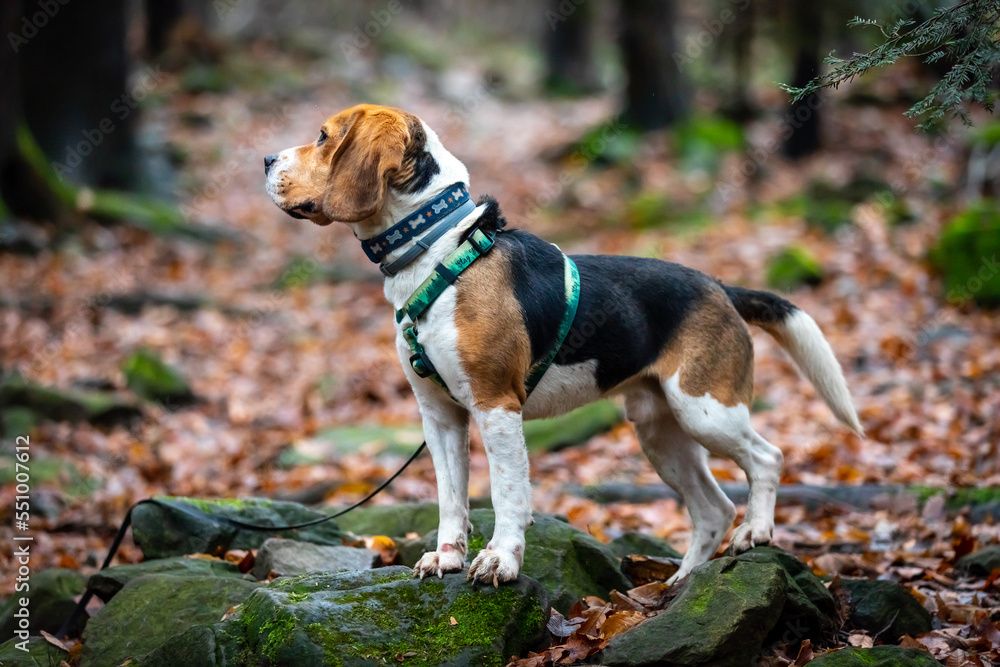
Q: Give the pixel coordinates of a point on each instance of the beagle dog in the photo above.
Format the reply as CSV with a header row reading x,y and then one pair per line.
x,y
671,340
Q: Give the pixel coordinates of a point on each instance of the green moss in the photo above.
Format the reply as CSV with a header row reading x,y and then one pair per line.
x,y
150,377
478,618
792,267
212,504
279,631
700,600
477,542
957,498
966,255
702,140
297,596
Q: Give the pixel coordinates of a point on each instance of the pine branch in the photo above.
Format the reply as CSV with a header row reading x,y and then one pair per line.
x,y
966,35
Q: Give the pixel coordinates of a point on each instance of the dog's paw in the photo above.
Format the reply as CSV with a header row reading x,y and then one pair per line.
x,y
747,536
494,566
437,563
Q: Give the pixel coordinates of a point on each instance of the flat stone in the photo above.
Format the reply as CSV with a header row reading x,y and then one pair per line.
x,y
284,557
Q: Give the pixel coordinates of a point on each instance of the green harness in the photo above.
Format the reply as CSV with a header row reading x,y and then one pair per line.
x,y
444,274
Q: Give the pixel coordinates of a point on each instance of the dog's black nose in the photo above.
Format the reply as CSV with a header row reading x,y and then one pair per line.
x,y
268,161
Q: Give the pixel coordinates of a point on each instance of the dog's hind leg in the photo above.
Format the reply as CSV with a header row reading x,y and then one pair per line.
x,y
726,431
446,429
683,464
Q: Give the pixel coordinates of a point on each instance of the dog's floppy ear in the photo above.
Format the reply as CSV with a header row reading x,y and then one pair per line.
x,y
372,146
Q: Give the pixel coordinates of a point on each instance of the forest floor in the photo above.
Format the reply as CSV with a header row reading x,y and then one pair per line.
x,y
277,366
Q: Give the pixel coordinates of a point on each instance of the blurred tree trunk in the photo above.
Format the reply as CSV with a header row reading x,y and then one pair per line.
x,y
10,100
569,48
162,16
806,29
741,108
20,190
75,93
656,93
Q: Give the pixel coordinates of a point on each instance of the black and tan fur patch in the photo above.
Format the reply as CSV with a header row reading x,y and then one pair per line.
x,y
636,318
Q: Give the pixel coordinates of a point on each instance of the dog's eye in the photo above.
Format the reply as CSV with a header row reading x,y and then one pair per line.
x,y
322,138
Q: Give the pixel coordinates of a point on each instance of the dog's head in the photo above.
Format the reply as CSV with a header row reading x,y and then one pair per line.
x,y
362,157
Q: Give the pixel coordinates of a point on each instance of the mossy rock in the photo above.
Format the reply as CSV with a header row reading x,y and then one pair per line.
x,y
396,520
646,545
810,609
569,563
51,601
180,526
36,403
966,255
702,140
377,617
573,428
150,377
720,619
879,656
106,583
40,653
793,267
17,420
980,563
882,607
151,609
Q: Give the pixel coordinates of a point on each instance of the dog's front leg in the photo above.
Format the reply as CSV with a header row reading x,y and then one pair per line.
x,y
510,487
446,429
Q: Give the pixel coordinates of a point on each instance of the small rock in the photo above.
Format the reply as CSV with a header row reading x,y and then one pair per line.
x,y
180,526
106,583
879,656
51,601
810,609
151,609
882,607
567,562
383,616
980,563
40,653
720,619
640,543
150,377
284,557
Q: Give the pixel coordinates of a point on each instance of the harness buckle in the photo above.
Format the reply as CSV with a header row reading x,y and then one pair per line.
x,y
486,246
421,365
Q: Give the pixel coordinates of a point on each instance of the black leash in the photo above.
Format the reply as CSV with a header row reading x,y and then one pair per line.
x,y
235,523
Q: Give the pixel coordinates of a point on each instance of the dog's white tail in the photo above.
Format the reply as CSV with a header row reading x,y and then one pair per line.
x,y
801,337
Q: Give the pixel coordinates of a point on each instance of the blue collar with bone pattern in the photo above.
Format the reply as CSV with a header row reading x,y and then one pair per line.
x,y
429,214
